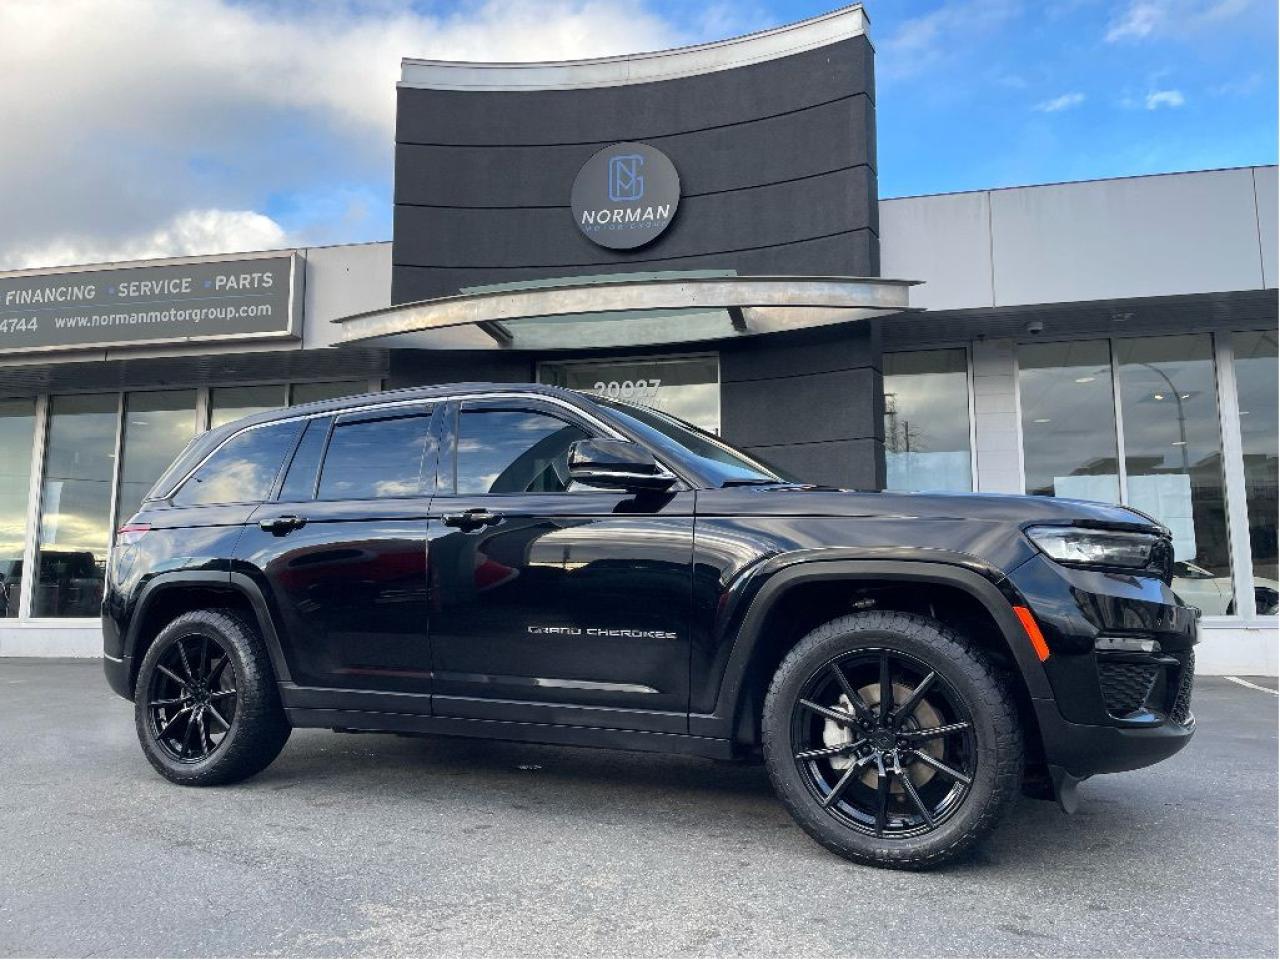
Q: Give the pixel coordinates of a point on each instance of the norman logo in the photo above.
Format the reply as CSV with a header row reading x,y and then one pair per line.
x,y
625,196
626,182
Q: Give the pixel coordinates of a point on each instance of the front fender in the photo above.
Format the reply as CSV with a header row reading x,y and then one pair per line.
x,y
985,584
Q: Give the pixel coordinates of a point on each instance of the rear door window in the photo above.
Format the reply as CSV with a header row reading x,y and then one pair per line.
x,y
374,458
243,469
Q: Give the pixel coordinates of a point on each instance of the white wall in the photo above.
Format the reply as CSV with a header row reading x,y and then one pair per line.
x,y
1206,232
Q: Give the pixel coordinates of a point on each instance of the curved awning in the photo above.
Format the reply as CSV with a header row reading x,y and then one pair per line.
x,y
627,312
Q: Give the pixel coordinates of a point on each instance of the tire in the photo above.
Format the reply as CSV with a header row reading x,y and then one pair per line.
x,y
842,808
239,726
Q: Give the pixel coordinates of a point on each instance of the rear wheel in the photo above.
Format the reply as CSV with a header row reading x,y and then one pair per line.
x,y
206,706
891,740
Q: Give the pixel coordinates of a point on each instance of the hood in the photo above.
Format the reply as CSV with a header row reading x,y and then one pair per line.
x,y
796,501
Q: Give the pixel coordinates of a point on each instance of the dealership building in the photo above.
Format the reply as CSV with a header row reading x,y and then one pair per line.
x,y
700,230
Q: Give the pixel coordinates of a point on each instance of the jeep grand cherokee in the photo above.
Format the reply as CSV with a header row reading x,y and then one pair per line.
x,y
533,564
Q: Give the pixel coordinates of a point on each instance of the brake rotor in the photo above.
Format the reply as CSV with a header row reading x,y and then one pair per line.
x,y
922,718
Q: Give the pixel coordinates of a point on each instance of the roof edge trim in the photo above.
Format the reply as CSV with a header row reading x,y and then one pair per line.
x,y
771,44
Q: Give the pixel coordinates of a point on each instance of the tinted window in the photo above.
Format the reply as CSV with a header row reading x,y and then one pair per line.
x,y
242,469
514,451
375,458
723,463
300,481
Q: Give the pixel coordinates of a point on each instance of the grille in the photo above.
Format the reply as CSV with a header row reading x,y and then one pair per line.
x,y
1126,686
1181,708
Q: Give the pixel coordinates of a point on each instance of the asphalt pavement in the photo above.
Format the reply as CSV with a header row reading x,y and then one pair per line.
x,y
389,846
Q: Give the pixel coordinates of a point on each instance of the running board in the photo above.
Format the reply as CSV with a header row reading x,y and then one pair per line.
x,y
369,721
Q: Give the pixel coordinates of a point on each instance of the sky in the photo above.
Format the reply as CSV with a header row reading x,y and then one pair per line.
x,y
144,128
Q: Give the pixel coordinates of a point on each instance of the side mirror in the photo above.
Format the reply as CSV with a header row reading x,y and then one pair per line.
x,y
616,465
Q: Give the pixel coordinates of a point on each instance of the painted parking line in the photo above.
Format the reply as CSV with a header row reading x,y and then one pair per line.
x,y
1253,686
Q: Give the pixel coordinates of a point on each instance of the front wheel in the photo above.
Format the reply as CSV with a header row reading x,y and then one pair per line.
x,y
891,740
206,706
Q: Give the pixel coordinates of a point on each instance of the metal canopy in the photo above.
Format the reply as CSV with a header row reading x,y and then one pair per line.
x,y
627,312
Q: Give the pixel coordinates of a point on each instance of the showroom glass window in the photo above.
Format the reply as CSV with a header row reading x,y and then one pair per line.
x,y
157,425
1068,420
1173,445
1255,366
684,387
513,451
17,434
75,505
326,390
926,421
232,403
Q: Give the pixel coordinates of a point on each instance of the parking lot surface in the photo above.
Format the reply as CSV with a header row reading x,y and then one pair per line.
x,y
380,845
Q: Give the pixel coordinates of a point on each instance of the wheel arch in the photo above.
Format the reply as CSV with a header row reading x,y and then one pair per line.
x,y
169,595
801,596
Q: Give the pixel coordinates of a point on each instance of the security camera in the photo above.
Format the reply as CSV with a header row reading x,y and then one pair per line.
x,y
1035,328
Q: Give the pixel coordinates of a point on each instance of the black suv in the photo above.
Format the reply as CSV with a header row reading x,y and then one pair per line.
x,y
533,564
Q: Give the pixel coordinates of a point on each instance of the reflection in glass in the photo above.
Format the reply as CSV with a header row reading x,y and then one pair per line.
x,y
75,505
1068,420
378,458
1256,390
243,469
17,430
926,421
329,390
157,425
232,403
513,451
1173,448
685,387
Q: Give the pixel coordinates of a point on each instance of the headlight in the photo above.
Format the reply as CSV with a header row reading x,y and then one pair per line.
x,y
1077,546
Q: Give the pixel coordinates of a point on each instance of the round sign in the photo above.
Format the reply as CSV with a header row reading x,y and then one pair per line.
x,y
625,195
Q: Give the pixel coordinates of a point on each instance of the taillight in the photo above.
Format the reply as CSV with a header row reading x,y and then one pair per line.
x,y
131,533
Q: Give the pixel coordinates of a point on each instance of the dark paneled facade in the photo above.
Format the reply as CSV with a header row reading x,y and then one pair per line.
x,y
777,169
776,162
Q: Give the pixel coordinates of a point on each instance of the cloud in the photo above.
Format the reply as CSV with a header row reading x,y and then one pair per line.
x,y
1164,98
924,42
1139,20
190,233
122,116
1145,18
1064,102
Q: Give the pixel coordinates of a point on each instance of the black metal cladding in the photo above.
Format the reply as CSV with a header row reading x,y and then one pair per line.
x,y
776,162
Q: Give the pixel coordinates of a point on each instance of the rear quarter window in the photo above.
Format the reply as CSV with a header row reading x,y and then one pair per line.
x,y
243,469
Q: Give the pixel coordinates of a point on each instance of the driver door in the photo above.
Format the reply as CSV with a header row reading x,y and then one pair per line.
x,y
552,602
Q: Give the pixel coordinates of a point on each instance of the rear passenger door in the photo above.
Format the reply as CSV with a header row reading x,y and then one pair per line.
x,y
340,552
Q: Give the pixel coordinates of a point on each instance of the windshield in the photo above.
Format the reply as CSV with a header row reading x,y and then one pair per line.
x,y
726,465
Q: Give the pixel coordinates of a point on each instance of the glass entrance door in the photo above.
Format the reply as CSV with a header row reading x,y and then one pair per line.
x,y
685,387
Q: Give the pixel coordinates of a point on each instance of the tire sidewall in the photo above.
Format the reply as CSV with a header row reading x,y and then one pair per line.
x,y
997,740
255,693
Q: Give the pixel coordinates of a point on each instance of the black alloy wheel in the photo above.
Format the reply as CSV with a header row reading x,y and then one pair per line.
x,y
883,743
893,739
206,706
192,698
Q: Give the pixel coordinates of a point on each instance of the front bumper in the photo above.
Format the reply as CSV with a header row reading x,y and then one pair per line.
x,y
1110,711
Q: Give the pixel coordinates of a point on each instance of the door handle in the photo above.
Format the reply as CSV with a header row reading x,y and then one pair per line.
x,y
472,519
279,526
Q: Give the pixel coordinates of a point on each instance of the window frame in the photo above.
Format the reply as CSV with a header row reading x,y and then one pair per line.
x,y
447,472
427,479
